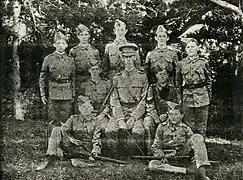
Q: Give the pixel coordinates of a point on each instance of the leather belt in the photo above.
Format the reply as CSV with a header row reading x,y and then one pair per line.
x,y
194,86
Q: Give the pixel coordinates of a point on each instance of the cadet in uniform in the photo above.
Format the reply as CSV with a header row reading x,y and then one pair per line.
x,y
96,88
194,80
127,102
112,60
162,57
180,140
57,81
84,55
78,136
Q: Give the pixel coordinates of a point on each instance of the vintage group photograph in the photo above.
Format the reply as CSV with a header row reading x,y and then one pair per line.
x,y
121,89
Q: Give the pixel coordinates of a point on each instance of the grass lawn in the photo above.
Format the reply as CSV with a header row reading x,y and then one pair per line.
x,y
22,150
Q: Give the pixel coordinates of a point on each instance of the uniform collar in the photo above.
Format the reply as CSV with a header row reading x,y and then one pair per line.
x,y
172,126
86,119
86,47
95,82
193,59
129,72
58,54
161,49
120,41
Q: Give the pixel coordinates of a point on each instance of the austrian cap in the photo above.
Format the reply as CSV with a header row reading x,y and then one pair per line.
x,y
81,28
161,28
59,35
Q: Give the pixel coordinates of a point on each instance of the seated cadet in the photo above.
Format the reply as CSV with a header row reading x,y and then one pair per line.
x,y
173,134
127,102
80,135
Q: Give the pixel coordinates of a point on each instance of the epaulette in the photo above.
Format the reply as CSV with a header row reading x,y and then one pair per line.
x,y
140,71
119,73
164,123
203,59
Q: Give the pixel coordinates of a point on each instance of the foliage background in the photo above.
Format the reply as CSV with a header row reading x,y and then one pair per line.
x,y
44,17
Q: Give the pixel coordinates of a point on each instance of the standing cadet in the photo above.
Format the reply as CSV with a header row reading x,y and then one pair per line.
x,y
84,55
57,81
194,79
162,58
179,138
128,106
80,135
112,57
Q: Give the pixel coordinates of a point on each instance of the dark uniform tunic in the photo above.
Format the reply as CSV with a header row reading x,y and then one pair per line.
x,y
96,92
57,82
84,57
194,79
162,59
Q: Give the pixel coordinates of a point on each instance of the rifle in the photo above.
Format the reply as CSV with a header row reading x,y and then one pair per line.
x,y
159,158
106,99
102,158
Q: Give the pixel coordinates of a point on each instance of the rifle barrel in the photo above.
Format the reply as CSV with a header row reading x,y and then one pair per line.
x,y
158,158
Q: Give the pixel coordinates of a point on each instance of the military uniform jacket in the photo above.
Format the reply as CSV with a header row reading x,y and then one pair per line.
x,y
194,78
84,58
96,92
112,56
156,100
165,59
129,94
169,136
58,75
86,131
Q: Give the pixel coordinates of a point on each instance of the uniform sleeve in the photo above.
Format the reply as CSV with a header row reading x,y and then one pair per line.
x,y
189,132
43,77
73,78
138,60
174,64
139,111
157,146
72,53
208,73
151,106
115,103
97,55
68,126
105,60
178,80
96,140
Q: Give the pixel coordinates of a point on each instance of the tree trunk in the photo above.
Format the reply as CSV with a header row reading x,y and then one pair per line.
x,y
18,105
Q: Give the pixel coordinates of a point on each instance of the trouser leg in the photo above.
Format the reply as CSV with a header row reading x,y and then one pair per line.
x,y
54,143
149,127
189,117
201,114
111,134
136,139
200,150
65,110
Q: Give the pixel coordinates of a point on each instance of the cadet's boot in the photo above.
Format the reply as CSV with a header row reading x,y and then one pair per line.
x,y
49,161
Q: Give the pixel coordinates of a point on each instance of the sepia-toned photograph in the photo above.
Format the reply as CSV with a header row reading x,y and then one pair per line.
x,y
121,89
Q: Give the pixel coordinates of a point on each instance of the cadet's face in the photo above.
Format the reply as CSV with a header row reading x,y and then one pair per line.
x,y
175,116
120,32
161,37
129,60
95,70
192,49
83,37
60,45
86,108
162,76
